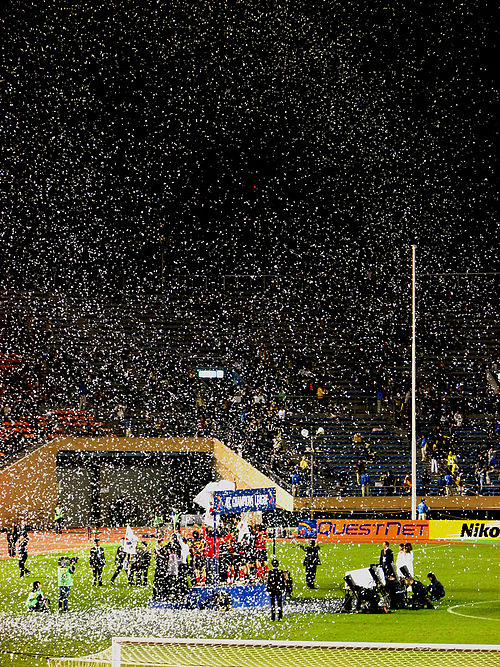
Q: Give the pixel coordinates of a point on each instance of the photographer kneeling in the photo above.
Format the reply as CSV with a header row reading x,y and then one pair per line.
x,y
419,597
36,600
65,571
435,590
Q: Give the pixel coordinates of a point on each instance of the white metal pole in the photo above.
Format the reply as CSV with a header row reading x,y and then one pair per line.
x,y
312,478
413,397
116,652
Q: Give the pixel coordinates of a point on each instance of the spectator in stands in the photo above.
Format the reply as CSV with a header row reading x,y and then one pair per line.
x,y
426,483
357,440
380,399
82,392
482,478
422,510
365,484
441,485
434,464
448,480
359,469
295,483
388,482
423,447
407,485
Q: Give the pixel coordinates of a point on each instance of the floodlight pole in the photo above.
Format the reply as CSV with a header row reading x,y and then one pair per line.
x,y
312,479
413,395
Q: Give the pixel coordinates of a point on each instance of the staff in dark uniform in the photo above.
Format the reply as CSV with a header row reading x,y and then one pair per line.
x,y
276,588
12,537
311,562
22,554
386,560
119,560
97,561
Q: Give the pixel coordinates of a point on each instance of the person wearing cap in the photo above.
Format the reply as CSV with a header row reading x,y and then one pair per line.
x,y
276,588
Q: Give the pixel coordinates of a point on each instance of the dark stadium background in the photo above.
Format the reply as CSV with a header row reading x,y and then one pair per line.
x,y
259,137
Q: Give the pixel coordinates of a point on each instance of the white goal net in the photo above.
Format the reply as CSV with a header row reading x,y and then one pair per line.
x,y
147,651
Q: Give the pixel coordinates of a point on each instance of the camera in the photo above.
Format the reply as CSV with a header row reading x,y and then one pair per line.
x,y
67,561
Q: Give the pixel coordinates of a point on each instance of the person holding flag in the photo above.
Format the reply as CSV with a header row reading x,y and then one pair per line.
x,y
130,549
158,523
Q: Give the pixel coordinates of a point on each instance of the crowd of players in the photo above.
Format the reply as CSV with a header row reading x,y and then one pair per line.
x,y
226,558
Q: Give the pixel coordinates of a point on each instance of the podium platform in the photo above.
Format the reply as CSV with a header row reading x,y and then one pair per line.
x,y
206,597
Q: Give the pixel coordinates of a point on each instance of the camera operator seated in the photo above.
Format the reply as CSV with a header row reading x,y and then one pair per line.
x,y
396,593
435,590
419,598
361,600
36,600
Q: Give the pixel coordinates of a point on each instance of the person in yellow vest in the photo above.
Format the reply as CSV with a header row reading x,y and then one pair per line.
x,y
36,599
65,572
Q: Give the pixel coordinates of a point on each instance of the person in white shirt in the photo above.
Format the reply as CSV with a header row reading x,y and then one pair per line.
x,y
404,558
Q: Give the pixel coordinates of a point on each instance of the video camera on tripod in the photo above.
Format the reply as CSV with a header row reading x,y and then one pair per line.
x,y
368,590
67,561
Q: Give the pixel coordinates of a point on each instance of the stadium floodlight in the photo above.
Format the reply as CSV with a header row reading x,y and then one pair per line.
x,y
305,434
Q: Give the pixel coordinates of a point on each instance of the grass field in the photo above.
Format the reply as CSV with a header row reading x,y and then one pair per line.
x,y
470,612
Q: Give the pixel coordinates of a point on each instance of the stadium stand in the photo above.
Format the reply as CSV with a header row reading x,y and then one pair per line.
x,y
294,359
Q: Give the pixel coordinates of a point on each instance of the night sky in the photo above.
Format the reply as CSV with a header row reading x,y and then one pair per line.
x,y
244,137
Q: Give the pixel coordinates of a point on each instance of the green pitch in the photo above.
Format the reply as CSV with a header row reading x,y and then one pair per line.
x,y
470,613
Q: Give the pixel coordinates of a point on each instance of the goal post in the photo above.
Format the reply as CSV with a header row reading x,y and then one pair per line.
x,y
174,652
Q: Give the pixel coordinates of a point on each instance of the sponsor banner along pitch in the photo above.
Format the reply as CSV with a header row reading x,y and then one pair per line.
x,y
360,530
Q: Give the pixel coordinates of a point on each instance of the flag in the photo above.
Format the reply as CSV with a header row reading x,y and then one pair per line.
x,y
205,496
184,548
131,539
243,529
208,518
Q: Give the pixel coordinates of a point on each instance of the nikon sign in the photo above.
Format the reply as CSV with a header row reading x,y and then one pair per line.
x,y
465,530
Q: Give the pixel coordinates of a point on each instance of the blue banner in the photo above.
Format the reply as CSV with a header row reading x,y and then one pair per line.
x,y
244,500
308,529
